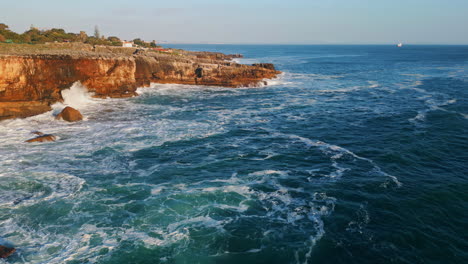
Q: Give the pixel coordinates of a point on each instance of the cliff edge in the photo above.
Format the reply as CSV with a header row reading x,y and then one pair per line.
x,y
31,81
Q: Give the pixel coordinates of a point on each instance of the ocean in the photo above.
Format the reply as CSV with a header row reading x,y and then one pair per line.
x,y
354,154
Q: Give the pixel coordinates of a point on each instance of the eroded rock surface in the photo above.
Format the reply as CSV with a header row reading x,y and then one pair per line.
x,y
268,66
29,84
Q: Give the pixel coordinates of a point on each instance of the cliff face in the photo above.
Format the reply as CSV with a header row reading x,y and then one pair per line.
x,y
30,83
42,77
200,72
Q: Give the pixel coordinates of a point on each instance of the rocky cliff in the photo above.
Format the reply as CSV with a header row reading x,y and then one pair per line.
x,y
29,84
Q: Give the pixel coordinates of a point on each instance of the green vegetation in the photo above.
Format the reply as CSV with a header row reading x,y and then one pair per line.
x,y
36,36
145,44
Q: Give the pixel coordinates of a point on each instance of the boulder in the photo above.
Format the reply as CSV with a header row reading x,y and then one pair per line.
x,y
5,252
41,137
70,114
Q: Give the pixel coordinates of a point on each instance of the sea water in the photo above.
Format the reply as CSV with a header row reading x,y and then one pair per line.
x,y
354,154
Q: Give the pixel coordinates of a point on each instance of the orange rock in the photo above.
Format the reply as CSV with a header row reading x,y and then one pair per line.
x,y
42,138
22,109
5,252
70,114
268,66
29,84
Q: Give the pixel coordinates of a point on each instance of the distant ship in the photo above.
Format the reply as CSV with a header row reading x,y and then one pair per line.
x,y
400,45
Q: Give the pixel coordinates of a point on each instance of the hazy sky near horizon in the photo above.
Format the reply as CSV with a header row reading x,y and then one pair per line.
x,y
251,21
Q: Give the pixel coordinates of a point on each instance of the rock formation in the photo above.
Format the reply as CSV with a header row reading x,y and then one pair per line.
x,y
269,66
30,83
41,137
70,114
23,109
5,252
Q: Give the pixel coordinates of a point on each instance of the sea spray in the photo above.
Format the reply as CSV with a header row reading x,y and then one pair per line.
x,y
77,96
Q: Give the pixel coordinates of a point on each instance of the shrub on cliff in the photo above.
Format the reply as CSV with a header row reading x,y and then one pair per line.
x,y
115,41
59,35
8,34
142,43
101,41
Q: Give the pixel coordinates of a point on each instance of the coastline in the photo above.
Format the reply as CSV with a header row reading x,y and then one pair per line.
x,y
32,80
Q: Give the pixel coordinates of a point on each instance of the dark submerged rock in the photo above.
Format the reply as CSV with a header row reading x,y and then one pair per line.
x,y
5,252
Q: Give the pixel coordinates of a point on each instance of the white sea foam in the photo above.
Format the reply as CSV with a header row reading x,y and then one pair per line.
x,y
50,186
281,203
342,90
415,75
281,80
77,96
167,237
246,60
433,100
373,84
269,172
336,153
205,221
122,128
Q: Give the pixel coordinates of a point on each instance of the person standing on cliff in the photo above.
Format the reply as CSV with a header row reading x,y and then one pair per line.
x,y
198,74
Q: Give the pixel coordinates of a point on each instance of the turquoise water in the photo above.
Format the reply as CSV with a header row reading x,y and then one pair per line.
x,y
355,154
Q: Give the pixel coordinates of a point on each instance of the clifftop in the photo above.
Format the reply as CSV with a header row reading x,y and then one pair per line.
x,y
81,50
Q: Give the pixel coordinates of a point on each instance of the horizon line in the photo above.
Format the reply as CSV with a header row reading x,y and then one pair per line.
x,y
314,44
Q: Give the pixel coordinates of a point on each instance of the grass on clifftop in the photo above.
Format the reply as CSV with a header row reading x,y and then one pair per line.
x,y
68,49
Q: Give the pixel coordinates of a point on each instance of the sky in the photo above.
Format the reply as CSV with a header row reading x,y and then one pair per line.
x,y
251,21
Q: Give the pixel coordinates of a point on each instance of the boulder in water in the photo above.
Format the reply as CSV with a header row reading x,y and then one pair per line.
x,y
41,137
44,138
70,114
5,252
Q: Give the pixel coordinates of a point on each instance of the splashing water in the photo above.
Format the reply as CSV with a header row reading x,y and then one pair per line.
x,y
77,96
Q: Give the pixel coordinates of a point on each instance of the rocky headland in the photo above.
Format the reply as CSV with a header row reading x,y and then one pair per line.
x,y
33,76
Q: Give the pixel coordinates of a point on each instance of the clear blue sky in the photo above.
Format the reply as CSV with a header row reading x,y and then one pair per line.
x,y
252,21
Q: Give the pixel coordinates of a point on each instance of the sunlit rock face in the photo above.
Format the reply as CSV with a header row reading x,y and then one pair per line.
x,y
70,114
29,84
